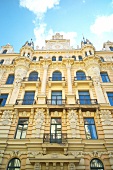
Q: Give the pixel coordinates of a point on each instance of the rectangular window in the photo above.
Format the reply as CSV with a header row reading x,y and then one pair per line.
x,y
55,131
90,128
3,98
84,97
110,97
10,79
21,129
104,77
28,98
56,97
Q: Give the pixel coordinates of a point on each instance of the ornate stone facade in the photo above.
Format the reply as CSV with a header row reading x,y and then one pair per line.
x,y
57,113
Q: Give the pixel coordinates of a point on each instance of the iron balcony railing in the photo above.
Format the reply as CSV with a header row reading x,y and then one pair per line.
x,y
87,101
31,79
25,102
56,101
56,78
55,138
79,78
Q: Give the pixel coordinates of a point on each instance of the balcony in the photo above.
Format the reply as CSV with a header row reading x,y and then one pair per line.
x,y
55,138
56,101
25,102
56,78
87,101
83,80
31,79
56,81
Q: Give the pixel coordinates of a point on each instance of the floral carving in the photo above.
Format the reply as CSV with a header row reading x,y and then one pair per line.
x,y
6,117
73,122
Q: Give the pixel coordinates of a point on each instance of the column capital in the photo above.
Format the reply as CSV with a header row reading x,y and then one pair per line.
x,y
68,62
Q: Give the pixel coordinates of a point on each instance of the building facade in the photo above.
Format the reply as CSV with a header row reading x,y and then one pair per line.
x,y
56,106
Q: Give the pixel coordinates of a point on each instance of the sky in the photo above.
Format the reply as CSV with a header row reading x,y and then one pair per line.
x,y
22,20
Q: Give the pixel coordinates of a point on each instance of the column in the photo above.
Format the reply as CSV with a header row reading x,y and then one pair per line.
x,y
44,80
42,97
68,66
70,96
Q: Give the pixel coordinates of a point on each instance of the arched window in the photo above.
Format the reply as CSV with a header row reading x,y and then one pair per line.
x,y
28,54
60,58
14,164
53,58
40,58
96,164
74,57
80,58
102,59
33,76
80,75
57,76
34,59
4,52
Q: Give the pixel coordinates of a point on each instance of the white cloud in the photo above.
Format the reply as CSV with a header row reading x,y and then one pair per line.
x,y
39,7
102,24
41,35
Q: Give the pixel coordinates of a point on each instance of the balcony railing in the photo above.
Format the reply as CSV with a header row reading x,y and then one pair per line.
x,y
56,101
25,102
56,78
55,138
82,78
87,101
31,79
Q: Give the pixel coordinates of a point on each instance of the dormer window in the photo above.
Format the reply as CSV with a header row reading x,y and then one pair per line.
x,y
34,59
4,52
102,59
24,54
90,52
85,54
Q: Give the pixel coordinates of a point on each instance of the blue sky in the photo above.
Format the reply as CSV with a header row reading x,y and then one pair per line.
x,y
22,20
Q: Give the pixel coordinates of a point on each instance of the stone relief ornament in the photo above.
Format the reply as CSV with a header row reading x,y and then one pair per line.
x,y
71,166
37,166
106,116
35,154
39,119
6,117
73,122
1,155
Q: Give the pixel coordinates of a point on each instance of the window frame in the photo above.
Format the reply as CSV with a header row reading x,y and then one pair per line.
x,y
53,58
57,77
10,79
28,98
96,168
23,129
104,77
14,168
80,74
3,99
94,128
110,102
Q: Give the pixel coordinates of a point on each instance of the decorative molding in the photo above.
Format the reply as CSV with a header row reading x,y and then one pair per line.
x,y
37,166
6,117
39,120
35,154
16,153
106,116
72,116
71,166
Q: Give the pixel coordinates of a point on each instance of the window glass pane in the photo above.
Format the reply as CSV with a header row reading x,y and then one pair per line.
x,y
33,76
96,164
84,97
57,76
14,164
29,98
110,97
90,128
104,77
10,79
3,98
21,128
80,75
